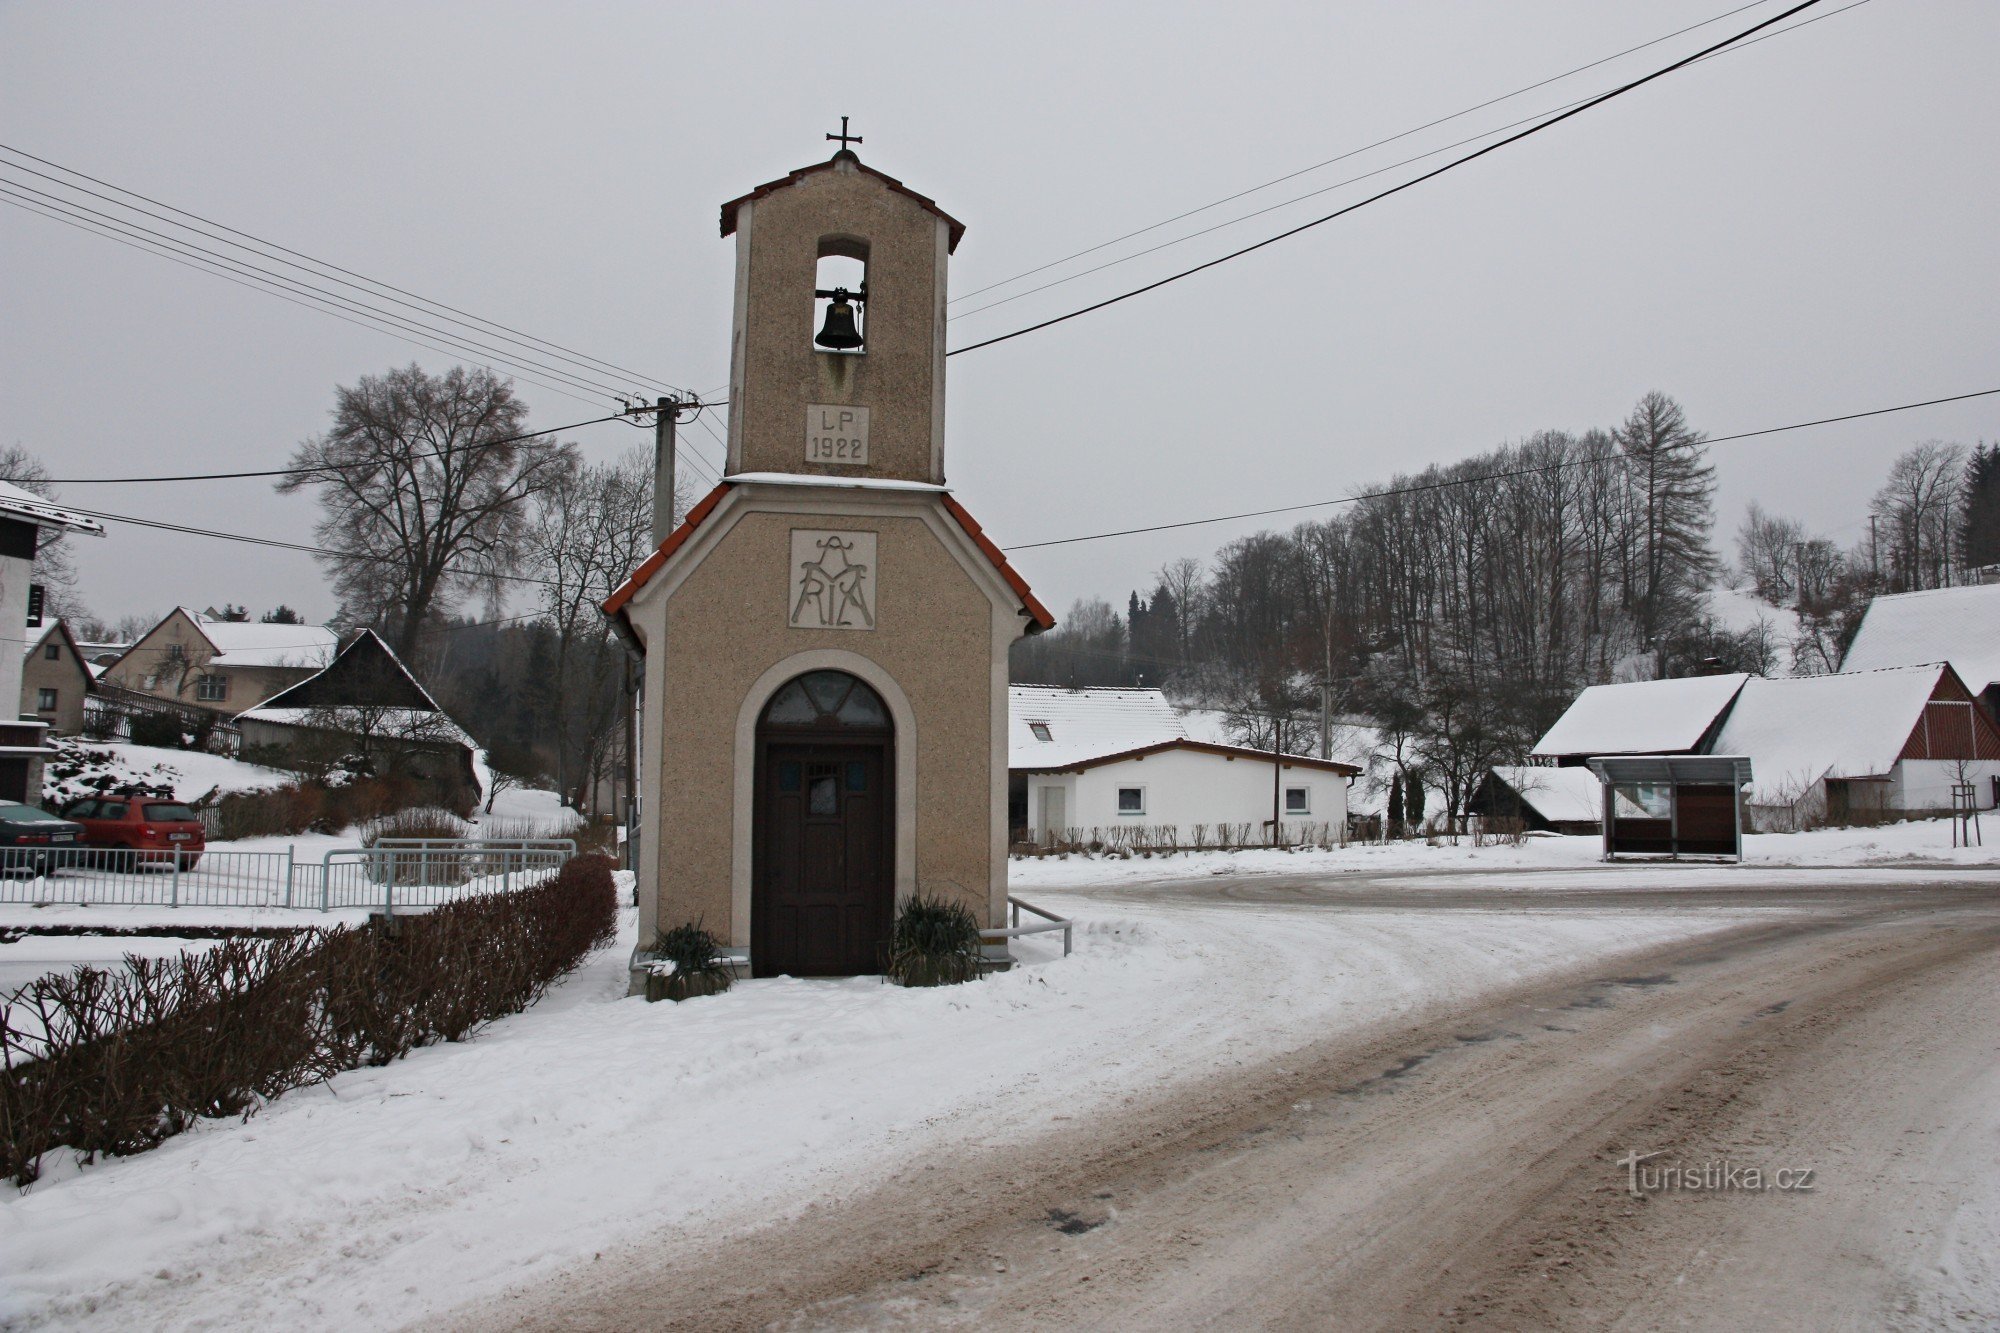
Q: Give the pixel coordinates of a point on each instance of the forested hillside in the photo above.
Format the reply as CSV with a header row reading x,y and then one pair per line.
x,y
1459,609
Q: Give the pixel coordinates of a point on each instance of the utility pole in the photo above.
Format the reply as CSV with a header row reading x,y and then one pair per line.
x,y
666,415
666,412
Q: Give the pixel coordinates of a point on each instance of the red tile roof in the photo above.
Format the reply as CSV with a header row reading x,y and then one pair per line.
x,y
729,209
1038,615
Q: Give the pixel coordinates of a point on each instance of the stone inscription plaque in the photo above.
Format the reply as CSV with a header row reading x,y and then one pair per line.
x,y
836,434
833,580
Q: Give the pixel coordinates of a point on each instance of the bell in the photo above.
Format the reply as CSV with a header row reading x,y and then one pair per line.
x,y
839,332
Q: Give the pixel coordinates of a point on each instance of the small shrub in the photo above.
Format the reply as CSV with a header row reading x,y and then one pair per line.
x,y
689,963
422,822
935,943
159,730
114,1061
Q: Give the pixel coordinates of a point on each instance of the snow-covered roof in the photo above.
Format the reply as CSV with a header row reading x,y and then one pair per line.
x,y
403,723
251,643
1084,724
1556,794
850,483
1641,717
1798,730
20,504
1956,625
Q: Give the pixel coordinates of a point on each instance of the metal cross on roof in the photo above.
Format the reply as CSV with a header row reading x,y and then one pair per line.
x,y
844,137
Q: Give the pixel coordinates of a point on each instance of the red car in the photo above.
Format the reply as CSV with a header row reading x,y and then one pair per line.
x,y
148,823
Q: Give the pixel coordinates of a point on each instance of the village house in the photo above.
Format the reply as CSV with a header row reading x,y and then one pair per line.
x,y
1859,745
825,635
24,518
197,661
1118,765
56,678
365,703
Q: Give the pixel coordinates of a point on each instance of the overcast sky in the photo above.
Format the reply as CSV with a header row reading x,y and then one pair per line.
x,y
1801,229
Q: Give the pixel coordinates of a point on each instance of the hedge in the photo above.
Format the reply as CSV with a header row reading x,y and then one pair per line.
x,y
113,1062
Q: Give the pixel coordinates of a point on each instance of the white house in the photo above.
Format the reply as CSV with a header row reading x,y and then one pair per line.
x,y
26,520
1116,764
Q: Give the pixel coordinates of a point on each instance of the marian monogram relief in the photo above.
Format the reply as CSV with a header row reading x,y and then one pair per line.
x,y
833,580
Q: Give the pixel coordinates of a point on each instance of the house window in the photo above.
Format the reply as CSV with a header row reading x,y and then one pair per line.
x,y
212,689
1296,802
45,701
1131,800
53,652
1041,731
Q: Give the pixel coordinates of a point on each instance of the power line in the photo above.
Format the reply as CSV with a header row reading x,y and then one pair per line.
x,y
1352,152
1394,189
149,248
331,267
1447,483
1353,180
328,467
279,544
225,264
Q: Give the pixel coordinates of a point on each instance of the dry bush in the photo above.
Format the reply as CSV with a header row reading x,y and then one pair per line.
x,y
112,1062
421,822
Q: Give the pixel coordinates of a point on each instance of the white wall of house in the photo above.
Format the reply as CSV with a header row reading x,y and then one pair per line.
x,y
1925,784
1184,788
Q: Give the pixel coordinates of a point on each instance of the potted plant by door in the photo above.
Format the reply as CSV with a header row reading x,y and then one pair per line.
x,y
687,961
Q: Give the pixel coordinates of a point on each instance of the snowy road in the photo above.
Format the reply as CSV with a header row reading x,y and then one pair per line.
x,y
1463,1168
1204,1078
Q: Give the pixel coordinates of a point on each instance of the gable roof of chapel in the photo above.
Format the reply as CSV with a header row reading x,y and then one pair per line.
x,y
771,187
1038,615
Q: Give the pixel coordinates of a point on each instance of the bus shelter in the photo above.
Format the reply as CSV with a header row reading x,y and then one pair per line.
x,y
1673,805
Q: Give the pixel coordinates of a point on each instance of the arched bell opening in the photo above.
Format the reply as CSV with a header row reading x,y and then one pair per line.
x,y
823,892
840,295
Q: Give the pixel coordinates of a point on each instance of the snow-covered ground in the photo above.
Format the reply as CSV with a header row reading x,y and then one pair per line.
x,y
393,1193
191,773
1920,842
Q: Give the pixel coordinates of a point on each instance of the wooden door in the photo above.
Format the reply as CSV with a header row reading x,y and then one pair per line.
x,y
824,893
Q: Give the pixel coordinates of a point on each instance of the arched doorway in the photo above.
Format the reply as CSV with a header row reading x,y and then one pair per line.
x,y
822,875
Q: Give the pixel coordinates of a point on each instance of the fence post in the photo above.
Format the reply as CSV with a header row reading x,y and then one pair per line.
x,y
176,854
291,860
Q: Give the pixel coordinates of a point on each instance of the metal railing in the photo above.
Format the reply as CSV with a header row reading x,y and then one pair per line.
x,y
395,874
1051,922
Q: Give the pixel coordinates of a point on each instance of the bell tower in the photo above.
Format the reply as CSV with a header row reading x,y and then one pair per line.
x,y
837,355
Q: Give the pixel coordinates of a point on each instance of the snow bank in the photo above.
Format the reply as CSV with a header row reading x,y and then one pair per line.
x,y
392,1194
1917,842
191,773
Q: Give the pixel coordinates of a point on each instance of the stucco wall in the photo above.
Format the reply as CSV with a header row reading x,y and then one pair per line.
x,y
777,371
726,629
1186,788
1925,784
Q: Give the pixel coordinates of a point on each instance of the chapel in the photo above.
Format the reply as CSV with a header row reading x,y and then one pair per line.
x,y
825,634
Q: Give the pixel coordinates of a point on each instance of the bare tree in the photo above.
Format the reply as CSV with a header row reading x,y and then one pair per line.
x,y
421,486
54,568
589,531
1918,513
1765,545
1182,580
